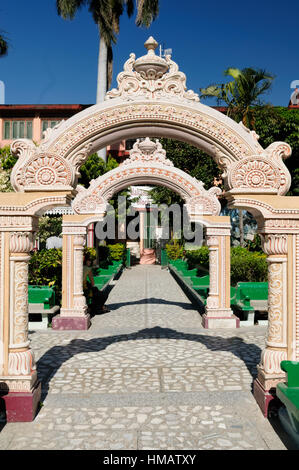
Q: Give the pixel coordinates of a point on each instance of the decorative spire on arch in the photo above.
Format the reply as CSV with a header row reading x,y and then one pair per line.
x,y
151,76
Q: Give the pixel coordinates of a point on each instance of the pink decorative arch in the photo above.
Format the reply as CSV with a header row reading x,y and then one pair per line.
x,y
147,165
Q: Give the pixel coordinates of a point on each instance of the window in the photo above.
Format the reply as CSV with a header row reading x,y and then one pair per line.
x,y
17,130
47,123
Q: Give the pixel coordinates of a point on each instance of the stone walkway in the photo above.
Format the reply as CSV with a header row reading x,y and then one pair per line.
x,y
146,376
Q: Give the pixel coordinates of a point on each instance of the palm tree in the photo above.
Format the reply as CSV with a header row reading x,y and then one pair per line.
x,y
3,46
147,12
242,93
106,14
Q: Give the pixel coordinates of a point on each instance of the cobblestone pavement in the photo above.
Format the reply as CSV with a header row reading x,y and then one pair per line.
x,y
147,376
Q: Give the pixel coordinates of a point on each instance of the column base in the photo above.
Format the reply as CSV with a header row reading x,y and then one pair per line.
x,y
21,407
229,321
71,323
264,388
263,397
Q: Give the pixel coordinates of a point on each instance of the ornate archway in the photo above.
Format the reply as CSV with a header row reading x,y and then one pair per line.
x,y
147,164
151,100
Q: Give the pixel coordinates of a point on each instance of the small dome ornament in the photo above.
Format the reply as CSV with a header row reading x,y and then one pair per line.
x,y
151,66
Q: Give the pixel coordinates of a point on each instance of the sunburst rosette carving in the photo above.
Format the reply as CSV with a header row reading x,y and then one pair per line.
x,y
44,172
89,204
206,203
255,174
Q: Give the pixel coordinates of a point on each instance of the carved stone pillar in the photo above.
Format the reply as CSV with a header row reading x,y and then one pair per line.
x,y
19,386
218,312
269,371
90,236
73,314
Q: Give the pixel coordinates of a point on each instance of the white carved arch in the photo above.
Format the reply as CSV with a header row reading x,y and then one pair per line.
x,y
151,100
147,164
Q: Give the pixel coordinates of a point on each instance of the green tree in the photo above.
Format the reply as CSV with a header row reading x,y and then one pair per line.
x,y
106,15
49,226
242,94
95,167
281,124
7,161
192,161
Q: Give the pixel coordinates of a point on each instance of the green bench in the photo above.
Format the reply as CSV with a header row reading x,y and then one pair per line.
x,y
288,394
247,298
41,301
103,276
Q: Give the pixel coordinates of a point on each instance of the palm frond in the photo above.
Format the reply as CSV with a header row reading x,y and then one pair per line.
x,y
3,46
147,12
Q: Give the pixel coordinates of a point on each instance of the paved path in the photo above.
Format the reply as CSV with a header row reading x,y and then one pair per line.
x,y
146,376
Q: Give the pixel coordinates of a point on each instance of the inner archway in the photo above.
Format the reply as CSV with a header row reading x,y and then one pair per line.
x,y
147,165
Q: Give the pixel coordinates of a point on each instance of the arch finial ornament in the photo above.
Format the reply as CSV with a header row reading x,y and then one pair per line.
x,y
152,77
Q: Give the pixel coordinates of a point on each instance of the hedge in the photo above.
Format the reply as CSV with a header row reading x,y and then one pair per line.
x,y
174,250
246,266
45,269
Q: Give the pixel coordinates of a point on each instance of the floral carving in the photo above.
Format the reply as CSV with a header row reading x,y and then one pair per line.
x,y
46,171
255,174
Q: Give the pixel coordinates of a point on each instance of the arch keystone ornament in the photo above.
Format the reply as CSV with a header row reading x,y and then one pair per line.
x,y
152,100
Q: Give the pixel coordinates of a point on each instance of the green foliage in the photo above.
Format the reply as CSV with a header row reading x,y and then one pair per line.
x,y
3,45
255,244
45,269
248,266
103,252
95,167
281,124
198,258
242,94
49,226
192,161
90,252
117,251
174,250
7,159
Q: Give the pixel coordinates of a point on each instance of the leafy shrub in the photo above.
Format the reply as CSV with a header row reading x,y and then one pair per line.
x,y
104,256
117,251
174,250
49,226
198,258
91,252
45,269
248,266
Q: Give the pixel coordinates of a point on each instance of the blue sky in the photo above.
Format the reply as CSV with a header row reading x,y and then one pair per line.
x,y
53,61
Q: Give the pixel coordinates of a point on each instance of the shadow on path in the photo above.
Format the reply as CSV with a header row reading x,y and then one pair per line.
x,y
55,357
151,300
